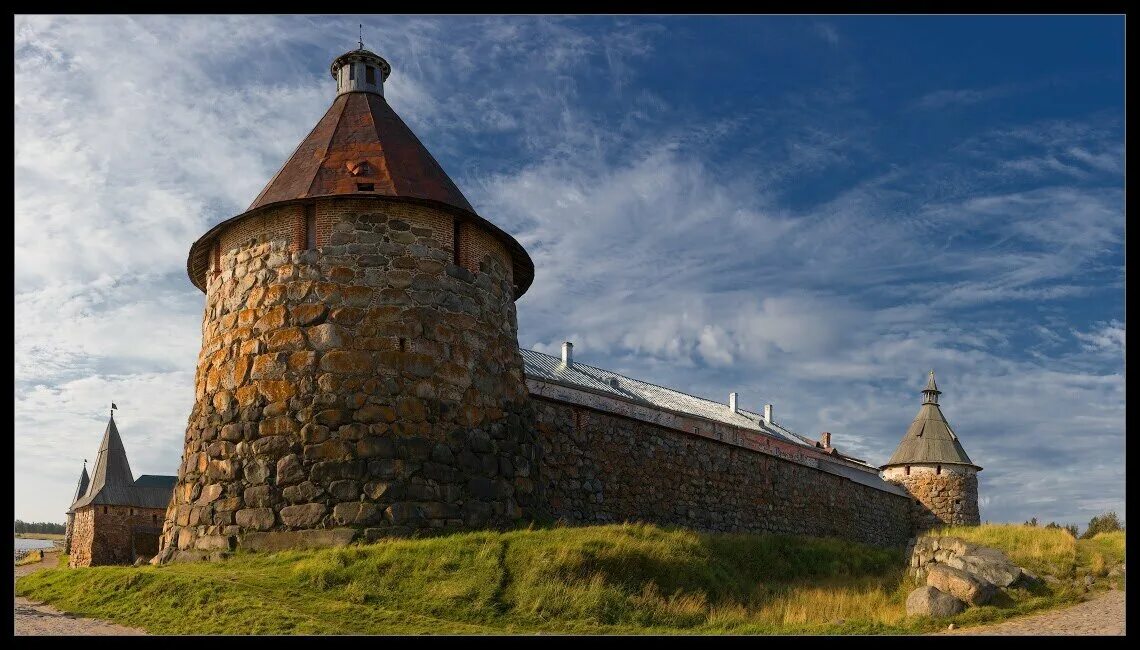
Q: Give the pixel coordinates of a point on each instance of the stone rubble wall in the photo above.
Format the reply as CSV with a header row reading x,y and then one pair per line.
x,y
949,499
82,538
68,531
103,535
366,388
601,468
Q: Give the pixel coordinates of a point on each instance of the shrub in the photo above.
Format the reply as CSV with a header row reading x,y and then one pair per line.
x,y
1106,523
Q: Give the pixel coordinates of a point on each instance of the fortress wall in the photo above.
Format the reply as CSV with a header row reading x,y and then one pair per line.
x,y
598,467
368,387
114,535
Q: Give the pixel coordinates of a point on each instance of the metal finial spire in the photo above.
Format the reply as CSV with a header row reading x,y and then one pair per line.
x,y
361,37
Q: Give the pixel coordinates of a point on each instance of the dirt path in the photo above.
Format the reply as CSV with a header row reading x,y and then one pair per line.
x,y
33,619
1103,615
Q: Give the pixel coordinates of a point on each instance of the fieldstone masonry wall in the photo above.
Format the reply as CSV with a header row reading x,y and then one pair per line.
x,y
114,535
600,468
368,387
943,495
68,531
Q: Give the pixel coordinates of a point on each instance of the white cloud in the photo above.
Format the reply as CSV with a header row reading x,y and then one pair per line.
x,y
828,33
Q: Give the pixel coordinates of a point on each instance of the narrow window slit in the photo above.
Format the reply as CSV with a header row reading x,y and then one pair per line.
x,y
310,226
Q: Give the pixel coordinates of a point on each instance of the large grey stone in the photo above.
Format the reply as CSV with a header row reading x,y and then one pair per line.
x,y
928,601
356,513
326,336
961,585
302,516
256,518
988,564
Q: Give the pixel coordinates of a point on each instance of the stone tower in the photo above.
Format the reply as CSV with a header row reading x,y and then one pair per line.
x,y
80,490
932,465
359,374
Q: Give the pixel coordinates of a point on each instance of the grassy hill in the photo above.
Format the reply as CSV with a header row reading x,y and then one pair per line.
x,y
612,579
1049,551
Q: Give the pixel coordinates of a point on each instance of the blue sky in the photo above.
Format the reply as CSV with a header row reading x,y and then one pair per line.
x,y
810,211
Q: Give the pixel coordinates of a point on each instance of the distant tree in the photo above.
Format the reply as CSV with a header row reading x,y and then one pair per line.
x,y
38,527
1068,528
1106,523
1031,522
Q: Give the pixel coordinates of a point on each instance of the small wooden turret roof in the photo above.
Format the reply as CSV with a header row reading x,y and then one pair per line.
x,y
930,439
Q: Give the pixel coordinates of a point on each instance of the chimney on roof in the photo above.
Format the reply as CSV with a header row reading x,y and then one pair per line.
x,y
732,402
767,414
825,439
568,353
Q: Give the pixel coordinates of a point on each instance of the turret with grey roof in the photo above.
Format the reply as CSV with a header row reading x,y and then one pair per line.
x,y
932,465
81,488
930,439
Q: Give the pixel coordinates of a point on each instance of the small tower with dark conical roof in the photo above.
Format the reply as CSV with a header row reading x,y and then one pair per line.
x,y
932,465
80,490
359,375
115,519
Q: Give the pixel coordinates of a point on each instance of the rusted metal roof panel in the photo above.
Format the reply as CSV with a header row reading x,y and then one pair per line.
x,y
361,141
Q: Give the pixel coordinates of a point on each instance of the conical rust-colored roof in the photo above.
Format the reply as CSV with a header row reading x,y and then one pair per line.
x,y
363,150
361,141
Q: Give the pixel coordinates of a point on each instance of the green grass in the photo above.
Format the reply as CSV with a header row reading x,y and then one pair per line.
x,y
1099,554
599,579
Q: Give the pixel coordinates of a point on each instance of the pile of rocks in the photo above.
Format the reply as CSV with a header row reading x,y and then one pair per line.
x,y
958,574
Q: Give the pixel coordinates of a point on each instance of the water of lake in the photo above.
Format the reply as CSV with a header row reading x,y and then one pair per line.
x,y
22,544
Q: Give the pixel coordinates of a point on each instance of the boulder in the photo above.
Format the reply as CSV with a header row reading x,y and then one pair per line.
x,y
1028,580
957,546
961,585
988,564
929,601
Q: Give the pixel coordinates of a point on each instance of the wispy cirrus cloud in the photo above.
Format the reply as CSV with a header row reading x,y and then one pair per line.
x,y
828,33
